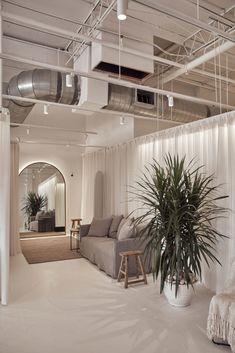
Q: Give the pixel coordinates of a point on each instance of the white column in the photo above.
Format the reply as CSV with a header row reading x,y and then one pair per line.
x,y
4,189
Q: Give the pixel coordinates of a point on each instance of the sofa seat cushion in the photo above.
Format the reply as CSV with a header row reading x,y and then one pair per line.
x,y
100,251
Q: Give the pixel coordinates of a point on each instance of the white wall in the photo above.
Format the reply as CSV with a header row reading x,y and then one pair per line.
x,y
68,161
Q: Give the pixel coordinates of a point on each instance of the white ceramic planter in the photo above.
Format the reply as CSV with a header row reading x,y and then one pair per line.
x,y
184,294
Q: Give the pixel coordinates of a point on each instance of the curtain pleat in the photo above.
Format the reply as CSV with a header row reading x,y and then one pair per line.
x,y
210,142
14,201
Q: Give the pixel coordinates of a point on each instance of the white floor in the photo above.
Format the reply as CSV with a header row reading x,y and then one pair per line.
x,y
70,306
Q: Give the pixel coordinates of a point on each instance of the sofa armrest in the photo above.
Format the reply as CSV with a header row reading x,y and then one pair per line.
x,y
84,230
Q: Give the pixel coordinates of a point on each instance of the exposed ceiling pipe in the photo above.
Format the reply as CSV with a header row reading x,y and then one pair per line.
x,y
187,19
51,29
199,61
128,100
113,46
79,109
117,81
45,84
54,128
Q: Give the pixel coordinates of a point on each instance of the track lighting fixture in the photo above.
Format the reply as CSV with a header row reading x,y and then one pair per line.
x,y
170,101
69,80
122,9
45,109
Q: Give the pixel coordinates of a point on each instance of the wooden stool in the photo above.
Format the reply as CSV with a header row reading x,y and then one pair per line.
x,y
123,270
74,232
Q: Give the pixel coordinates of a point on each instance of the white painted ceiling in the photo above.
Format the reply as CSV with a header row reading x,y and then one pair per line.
x,y
68,14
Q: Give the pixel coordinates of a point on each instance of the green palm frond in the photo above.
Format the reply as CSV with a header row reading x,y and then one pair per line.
x,y
181,207
33,203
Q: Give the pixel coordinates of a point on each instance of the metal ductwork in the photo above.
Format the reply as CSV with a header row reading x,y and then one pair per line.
x,y
137,102
40,84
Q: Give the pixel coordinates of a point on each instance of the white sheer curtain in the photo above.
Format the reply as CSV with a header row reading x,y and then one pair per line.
x,y
4,205
60,205
14,200
47,188
211,142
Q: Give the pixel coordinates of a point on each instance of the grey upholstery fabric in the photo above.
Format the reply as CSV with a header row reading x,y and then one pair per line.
x,y
84,229
127,230
114,226
104,252
100,227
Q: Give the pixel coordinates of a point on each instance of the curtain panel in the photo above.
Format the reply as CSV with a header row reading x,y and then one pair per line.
x,y
211,142
4,205
14,201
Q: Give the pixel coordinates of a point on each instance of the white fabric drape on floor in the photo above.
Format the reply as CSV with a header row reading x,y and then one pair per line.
x,y
4,205
14,201
211,142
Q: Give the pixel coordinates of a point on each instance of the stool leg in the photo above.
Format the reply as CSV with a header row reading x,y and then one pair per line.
x,y
120,269
126,272
71,243
142,269
137,266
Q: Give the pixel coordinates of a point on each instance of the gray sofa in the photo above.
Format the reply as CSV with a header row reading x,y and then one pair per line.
x,y
104,251
43,222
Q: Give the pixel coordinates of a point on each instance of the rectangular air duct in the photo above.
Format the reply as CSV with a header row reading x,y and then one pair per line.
x,y
108,60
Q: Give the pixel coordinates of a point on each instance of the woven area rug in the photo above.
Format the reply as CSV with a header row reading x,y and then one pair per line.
x,y
47,249
24,235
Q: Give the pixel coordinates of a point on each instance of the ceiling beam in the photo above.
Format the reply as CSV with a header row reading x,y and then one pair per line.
x,y
199,61
70,35
187,19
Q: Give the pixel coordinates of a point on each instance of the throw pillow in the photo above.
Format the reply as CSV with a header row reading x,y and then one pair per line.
x,y
127,230
114,226
100,227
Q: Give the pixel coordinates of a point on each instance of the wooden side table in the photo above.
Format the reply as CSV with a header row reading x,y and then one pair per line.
x,y
123,270
75,233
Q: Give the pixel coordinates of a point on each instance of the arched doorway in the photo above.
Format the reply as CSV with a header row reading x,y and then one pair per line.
x,y
42,207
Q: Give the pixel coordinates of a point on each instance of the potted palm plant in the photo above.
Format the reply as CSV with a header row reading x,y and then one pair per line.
x,y
33,203
179,207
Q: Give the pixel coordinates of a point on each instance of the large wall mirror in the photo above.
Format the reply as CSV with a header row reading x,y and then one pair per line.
x,y
42,200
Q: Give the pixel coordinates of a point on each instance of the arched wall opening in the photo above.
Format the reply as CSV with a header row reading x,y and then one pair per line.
x,y
42,198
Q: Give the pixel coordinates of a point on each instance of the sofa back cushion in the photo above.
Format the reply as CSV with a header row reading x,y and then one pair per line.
x,y
114,226
100,227
39,214
126,229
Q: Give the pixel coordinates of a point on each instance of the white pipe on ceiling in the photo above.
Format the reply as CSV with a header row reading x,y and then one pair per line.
x,y
51,29
115,81
199,61
78,109
187,19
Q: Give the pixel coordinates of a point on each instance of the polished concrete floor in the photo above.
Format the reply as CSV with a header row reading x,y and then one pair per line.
x,y
70,306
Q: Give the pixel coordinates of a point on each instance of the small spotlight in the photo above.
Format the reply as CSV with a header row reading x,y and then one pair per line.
x,y
69,80
28,131
122,120
121,9
45,109
170,101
